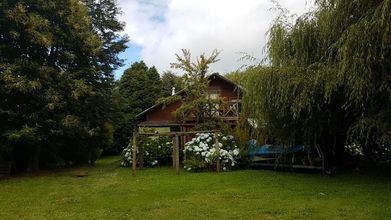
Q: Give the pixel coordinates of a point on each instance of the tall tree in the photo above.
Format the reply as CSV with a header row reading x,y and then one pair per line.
x,y
170,81
139,88
329,83
53,96
196,100
104,18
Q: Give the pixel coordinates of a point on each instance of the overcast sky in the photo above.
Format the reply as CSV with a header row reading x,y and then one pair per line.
x,y
160,28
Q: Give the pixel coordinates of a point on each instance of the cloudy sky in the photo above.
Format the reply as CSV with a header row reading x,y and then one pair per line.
x,y
160,28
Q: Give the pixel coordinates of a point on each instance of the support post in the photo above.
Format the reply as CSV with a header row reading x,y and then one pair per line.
x,y
134,154
217,147
173,152
177,154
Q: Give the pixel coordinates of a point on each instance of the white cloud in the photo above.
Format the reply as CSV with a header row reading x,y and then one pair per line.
x,y
163,27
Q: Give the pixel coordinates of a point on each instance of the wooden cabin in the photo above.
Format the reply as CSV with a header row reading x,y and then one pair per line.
x,y
162,119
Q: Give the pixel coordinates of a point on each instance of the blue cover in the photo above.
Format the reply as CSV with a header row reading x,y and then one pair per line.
x,y
269,150
295,149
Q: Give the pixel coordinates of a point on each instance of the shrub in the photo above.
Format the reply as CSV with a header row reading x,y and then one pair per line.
x,y
201,152
150,152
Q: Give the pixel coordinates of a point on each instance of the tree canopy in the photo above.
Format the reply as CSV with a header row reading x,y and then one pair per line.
x,y
55,81
139,88
169,81
196,101
328,81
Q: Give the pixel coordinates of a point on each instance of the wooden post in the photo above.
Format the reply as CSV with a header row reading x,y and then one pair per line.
x,y
173,151
183,141
134,154
177,154
217,147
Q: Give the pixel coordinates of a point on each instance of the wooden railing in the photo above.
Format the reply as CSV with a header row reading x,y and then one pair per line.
x,y
228,110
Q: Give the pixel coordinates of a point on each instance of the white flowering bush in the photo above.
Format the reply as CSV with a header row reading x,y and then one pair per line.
x,y
127,156
201,152
354,150
150,152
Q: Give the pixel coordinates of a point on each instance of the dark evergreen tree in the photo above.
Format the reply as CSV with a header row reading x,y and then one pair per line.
x,y
139,88
53,93
169,81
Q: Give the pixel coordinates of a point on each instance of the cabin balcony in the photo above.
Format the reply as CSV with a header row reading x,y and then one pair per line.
x,y
227,111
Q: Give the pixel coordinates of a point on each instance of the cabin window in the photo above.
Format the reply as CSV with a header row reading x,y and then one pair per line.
x,y
214,94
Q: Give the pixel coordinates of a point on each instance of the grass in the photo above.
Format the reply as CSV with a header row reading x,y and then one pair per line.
x,y
110,192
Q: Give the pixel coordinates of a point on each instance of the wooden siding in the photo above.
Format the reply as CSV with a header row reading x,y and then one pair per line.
x,y
165,115
162,113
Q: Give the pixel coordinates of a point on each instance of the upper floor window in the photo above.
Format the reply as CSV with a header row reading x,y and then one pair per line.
x,y
214,94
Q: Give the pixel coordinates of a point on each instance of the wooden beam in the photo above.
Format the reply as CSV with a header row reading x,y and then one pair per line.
x,y
134,154
175,133
177,154
173,152
217,148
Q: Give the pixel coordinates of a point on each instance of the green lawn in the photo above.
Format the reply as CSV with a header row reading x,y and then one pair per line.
x,y
110,191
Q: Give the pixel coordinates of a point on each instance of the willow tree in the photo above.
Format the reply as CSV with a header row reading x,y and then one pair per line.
x,y
328,81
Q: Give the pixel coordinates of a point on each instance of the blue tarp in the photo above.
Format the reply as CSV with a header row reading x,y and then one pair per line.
x,y
268,150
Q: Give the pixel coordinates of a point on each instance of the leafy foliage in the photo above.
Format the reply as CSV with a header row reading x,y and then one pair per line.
x,y
329,81
196,102
169,81
55,92
138,89
150,152
202,154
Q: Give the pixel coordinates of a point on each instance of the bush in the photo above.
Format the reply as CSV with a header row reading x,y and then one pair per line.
x,y
150,152
201,152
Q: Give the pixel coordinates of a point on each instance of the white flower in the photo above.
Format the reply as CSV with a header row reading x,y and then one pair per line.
x,y
224,168
236,151
224,138
189,169
146,153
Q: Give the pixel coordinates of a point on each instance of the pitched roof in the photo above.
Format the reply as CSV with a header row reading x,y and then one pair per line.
x,y
211,76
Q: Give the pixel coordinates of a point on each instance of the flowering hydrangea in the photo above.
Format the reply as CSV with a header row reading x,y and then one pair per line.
x,y
127,156
150,152
202,153
354,149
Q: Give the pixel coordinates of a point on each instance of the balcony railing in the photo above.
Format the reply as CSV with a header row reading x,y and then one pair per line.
x,y
228,110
